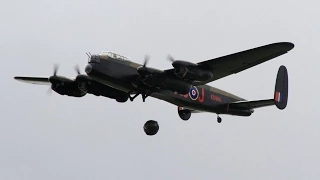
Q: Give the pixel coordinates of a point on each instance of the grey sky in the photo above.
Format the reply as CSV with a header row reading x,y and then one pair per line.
x,y
58,137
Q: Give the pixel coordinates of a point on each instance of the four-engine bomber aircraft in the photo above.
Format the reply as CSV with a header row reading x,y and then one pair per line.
x,y
116,77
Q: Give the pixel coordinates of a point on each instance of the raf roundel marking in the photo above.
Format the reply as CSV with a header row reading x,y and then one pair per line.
x,y
193,93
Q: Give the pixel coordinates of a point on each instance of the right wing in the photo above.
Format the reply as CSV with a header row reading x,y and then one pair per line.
x,y
33,80
237,62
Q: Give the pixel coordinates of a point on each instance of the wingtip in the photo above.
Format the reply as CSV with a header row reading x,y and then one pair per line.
x,y
287,45
290,45
19,78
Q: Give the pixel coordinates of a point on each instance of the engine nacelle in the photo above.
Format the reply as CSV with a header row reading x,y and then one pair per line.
x,y
179,86
83,87
149,77
83,82
151,127
148,80
58,88
67,89
190,71
193,73
173,84
88,85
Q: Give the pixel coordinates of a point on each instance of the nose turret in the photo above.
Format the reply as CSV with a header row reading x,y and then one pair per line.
x,y
88,68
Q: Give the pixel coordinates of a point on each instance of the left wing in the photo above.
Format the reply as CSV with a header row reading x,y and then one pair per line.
x,y
33,80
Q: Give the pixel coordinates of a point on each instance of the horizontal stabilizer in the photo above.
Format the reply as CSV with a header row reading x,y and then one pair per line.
x,y
280,95
251,104
34,80
281,88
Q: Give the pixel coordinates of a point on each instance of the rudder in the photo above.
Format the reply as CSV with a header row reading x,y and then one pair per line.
x,y
281,88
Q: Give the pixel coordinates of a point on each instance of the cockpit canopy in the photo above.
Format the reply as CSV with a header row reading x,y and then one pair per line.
x,y
114,56
95,58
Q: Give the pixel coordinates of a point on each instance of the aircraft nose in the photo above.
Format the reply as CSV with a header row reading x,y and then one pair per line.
x,y
88,68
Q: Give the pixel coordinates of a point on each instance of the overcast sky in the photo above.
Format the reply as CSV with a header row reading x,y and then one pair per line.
x,y
58,137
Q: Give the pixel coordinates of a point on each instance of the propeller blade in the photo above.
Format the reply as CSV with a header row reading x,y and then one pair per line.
x,y
146,59
49,91
76,67
170,58
55,69
143,69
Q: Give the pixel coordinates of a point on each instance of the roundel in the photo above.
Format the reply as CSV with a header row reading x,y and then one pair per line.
x,y
193,93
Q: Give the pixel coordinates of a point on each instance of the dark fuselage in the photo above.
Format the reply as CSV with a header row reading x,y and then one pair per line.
x,y
120,74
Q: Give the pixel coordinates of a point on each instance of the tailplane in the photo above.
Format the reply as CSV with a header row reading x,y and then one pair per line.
x,y
280,98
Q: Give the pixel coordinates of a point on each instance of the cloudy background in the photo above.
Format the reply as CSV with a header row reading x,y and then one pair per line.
x,y
58,137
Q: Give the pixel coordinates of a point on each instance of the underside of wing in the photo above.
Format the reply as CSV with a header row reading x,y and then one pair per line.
x,y
237,62
247,105
33,80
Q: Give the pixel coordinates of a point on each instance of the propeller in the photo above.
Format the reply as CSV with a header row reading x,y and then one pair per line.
x,y
55,70
143,69
49,91
146,60
77,69
170,58
54,79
